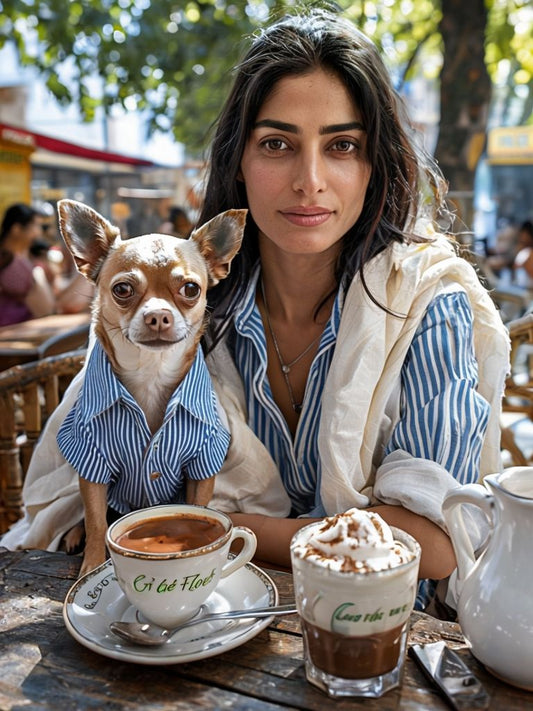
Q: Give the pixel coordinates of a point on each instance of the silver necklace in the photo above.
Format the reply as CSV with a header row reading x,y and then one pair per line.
x,y
285,367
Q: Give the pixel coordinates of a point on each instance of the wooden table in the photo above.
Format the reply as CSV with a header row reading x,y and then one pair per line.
x,y
39,337
43,667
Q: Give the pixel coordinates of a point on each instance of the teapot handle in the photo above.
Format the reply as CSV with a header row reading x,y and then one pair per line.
x,y
451,509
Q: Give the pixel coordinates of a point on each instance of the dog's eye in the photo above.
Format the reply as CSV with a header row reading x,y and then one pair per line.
x,y
190,290
123,290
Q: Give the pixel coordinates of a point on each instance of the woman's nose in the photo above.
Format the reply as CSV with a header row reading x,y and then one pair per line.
x,y
310,173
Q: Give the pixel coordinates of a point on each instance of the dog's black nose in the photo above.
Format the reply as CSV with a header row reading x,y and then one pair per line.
x,y
159,320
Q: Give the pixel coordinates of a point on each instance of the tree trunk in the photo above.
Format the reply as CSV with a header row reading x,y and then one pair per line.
x,y
465,98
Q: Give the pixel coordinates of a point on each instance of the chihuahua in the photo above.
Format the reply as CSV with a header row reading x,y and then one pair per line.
x,y
145,428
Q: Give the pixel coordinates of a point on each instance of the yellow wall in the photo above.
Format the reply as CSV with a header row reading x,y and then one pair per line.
x,y
15,171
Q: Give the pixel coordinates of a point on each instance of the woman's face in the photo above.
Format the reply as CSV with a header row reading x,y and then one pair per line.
x,y
304,166
525,239
29,232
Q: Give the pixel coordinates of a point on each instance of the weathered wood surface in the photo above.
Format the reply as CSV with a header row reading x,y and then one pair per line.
x,y
43,667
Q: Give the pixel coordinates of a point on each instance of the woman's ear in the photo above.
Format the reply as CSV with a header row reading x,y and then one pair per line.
x,y
240,176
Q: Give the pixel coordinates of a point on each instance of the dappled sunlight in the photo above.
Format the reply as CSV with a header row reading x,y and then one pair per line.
x,y
14,610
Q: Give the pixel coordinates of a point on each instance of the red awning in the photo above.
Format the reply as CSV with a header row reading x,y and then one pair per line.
x,y
22,136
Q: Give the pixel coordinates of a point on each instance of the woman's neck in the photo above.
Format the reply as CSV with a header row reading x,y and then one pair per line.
x,y
295,296
299,289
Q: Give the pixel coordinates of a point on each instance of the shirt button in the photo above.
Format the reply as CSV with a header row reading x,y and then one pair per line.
x,y
155,475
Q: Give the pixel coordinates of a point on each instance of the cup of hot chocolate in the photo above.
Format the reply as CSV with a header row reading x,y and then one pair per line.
x,y
355,581
168,559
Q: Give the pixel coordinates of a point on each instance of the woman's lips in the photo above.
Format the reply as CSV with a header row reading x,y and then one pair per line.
x,y
307,216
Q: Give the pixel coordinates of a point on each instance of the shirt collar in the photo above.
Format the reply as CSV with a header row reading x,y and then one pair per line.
x,y
247,305
102,389
195,392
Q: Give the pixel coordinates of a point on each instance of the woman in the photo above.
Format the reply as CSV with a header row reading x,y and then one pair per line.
x,y
357,358
523,261
178,223
24,289
311,141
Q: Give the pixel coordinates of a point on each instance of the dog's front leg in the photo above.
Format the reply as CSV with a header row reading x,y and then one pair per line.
x,y
95,503
199,492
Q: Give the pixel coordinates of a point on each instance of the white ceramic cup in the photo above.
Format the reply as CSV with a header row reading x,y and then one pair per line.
x,y
169,587
354,624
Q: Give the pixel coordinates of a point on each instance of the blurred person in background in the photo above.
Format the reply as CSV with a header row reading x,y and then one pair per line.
x,y
178,223
73,292
523,262
501,256
76,296
25,291
39,254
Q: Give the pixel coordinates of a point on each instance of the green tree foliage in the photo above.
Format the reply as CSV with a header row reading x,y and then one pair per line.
x,y
509,57
173,58
168,57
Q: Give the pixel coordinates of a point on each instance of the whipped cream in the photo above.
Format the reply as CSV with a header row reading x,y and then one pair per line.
x,y
353,541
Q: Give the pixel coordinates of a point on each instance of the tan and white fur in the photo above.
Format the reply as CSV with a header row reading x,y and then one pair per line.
x,y
149,314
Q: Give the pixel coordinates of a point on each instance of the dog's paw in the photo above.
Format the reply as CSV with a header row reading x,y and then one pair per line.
x,y
74,540
92,559
200,492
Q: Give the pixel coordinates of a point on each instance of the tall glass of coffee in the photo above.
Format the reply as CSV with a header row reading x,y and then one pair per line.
x,y
355,580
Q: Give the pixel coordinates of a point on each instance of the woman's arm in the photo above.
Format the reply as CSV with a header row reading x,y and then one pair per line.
x,y
76,296
40,298
443,417
274,537
524,260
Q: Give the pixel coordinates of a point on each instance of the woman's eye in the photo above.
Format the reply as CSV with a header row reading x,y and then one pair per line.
x,y
274,145
122,290
190,290
345,146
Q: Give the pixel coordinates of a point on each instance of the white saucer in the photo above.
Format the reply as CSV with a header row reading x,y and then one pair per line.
x,y
96,600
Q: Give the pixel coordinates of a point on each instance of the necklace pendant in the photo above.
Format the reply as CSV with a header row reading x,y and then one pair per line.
x,y
285,368
297,408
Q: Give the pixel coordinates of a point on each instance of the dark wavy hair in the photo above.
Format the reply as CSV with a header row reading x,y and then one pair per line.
x,y
404,182
16,214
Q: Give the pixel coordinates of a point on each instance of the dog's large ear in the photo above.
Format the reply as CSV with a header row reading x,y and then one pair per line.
x,y
219,241
87,234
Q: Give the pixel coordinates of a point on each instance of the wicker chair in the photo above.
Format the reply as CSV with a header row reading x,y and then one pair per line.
x,y
518,396
29,393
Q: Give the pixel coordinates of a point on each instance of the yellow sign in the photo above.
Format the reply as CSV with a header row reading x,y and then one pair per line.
x,y
15,168
511,144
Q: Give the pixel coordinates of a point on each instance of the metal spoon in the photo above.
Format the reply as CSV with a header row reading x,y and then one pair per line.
x,y
153,635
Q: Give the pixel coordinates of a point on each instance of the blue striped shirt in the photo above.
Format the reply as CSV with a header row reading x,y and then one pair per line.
x,y
442,417
106,438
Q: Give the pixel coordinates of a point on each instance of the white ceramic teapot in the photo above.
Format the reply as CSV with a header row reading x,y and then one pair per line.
x,y
495,606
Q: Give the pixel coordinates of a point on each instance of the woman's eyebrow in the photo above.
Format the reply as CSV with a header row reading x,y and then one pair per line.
x,y
323,130
339,127
280,125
